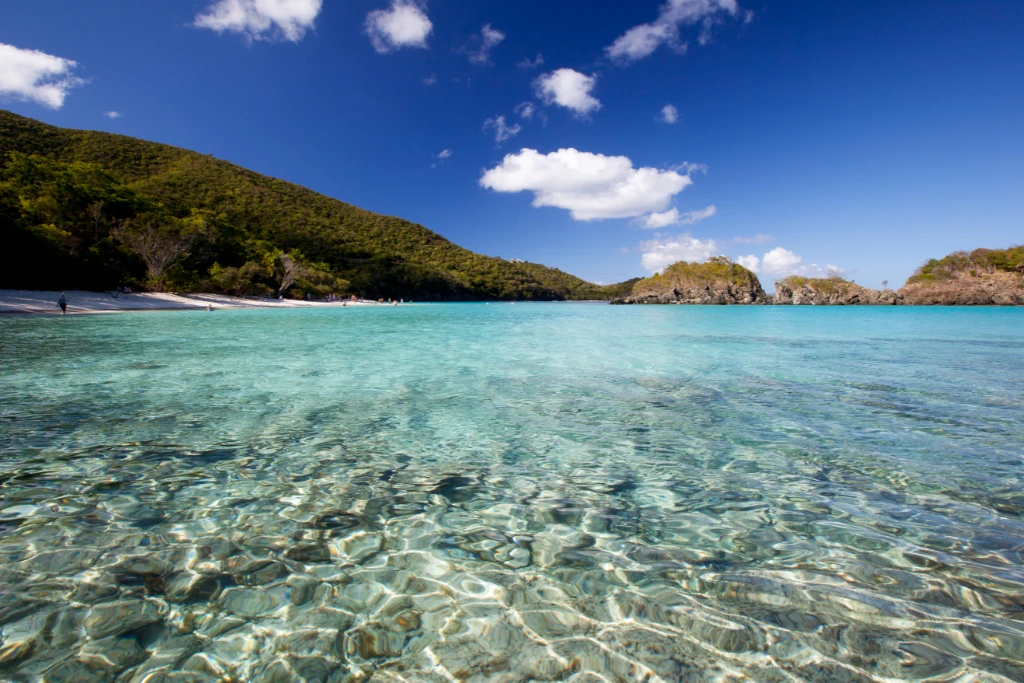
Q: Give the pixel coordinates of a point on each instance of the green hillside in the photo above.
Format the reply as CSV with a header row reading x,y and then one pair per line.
x,y
976,263
716,271
91,210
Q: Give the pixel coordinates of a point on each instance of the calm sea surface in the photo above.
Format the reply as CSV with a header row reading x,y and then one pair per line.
x,y
511,493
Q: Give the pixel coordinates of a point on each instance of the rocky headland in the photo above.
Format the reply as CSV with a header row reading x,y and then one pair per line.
x,y
716,281
983,277
832,291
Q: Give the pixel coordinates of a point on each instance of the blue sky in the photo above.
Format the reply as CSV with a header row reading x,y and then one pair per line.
x,y
864,135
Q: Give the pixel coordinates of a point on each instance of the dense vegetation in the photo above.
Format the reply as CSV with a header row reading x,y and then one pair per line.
x,y
976,263
826,285
717,269
91,210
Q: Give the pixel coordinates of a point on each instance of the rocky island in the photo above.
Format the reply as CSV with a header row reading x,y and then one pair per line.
x,y
830,291
983,277
716,281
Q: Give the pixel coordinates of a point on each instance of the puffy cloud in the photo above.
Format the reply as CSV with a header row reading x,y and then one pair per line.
x,y
35,76
641,41
532,63
430,80
669,114
780,262
661,253
589,186
261,19
502,131
113,114
568,88
749,262
656,221
404,24
444,154
480,53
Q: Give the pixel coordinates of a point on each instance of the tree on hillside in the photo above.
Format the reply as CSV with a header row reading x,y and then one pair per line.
x,y
289,270
159,241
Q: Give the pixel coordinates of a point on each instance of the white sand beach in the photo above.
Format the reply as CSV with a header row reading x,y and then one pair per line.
x,y
14,301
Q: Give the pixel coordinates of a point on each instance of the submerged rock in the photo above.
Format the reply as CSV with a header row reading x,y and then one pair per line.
x,y
22,637
117,618
309,553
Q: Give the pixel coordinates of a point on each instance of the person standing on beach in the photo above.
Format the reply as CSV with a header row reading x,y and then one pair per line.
x,y
63,303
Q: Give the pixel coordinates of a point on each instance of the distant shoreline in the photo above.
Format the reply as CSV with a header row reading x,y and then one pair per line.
x,y
36,302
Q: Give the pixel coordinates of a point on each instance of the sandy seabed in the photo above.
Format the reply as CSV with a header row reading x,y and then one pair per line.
x,y
34,301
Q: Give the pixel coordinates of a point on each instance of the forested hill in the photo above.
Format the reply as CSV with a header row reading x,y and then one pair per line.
x,y
91,210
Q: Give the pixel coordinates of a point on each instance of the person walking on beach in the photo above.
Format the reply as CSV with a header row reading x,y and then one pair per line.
x,y
63,303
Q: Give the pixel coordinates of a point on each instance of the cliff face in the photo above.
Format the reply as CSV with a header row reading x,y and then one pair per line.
x,y
983,277
717,281
799,291
988,289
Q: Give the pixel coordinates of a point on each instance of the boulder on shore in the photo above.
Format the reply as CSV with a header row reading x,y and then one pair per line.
x,y
716,281
832,291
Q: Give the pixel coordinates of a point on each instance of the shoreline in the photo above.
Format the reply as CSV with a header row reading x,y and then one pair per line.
x,y
37,302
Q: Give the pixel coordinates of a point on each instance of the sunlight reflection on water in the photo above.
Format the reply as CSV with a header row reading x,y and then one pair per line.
x,y
496,493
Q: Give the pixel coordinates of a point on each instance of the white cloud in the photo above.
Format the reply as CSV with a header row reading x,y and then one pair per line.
x,y
404,24
661,253
532,63
502,131
261,19
484,43
568,88
656,221
749,262
780,262
441,157
669,114
35,76
589,186
113,114
430,80
526,110
756,239
691,217
642,40
706,26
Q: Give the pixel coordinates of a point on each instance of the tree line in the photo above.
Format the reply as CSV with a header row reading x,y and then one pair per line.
x,y
93,210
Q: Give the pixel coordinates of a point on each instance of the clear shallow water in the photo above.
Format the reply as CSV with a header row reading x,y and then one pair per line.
x,y
513,493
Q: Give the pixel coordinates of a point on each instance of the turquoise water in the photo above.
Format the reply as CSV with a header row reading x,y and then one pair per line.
x,y
513,493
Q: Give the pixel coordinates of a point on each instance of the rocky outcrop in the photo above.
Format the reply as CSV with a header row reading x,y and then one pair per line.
x,y
799,291
983,277
983,289
718,281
